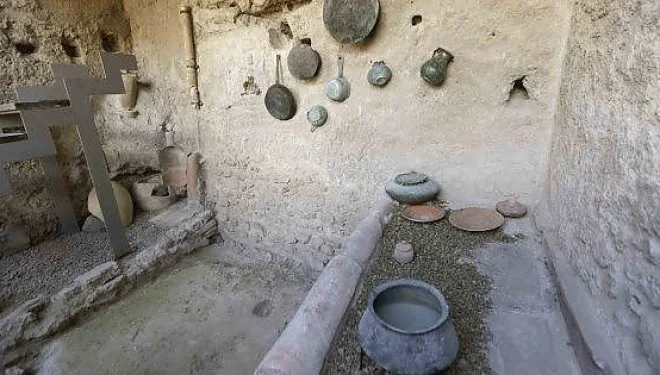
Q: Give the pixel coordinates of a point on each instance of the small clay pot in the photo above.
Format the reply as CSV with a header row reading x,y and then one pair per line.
x,y
317,116
143,193
434,71
379,74
403,252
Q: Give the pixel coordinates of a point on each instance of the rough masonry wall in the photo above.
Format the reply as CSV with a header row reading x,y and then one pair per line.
x,y
278,186
605,169
34,34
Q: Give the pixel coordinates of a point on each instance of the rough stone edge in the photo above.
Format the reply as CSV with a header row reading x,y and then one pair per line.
x,y
42,317
302,347
593,349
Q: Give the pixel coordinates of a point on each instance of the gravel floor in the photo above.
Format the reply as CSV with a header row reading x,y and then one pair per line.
x,y
444,257
49,266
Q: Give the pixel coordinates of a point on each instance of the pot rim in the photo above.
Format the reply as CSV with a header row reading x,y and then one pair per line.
x,y
444,314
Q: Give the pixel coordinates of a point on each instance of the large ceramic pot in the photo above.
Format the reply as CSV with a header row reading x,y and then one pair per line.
x,y
407,329
412,188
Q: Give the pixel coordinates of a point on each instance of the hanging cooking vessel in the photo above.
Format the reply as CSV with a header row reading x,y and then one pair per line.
x,y
303,61
434,71
279,100
339,89
379,74
317,116
350,21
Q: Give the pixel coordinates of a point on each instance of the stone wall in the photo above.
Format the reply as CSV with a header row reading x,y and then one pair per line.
x,y
278,186
605,170
34,34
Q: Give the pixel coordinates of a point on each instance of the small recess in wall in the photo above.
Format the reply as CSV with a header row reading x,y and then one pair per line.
x,y
286,29
416,20
70,47
25,48
109,42
518,90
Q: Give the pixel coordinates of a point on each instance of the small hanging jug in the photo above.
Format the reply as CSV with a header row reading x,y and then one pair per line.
x,y
379,74
434,71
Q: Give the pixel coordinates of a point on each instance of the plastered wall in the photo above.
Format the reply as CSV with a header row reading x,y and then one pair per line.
x,y
605,170
34,34
276,185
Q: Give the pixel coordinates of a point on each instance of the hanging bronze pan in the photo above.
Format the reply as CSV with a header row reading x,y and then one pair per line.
x,y
350,21
279,99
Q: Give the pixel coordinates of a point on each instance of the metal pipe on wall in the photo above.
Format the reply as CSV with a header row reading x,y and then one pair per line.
x,y
191,58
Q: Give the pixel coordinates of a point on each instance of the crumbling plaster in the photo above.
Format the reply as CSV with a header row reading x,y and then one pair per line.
x,y
604,193
276,185
45,24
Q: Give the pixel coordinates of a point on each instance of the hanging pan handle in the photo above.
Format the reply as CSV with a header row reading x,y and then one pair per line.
x,y
277,70
340,66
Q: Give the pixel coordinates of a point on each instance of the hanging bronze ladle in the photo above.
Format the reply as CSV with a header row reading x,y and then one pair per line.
x,y
279,100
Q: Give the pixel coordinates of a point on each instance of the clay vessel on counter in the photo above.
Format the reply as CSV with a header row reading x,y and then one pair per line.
x,y
147,198
379,74
412,188
124,204
434,71
407,328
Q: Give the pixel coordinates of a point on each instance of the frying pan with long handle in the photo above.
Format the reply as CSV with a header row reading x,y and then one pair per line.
x,y
279,100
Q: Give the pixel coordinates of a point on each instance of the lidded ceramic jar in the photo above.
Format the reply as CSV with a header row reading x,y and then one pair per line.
x,y
407,329
412,188
434,71
379,74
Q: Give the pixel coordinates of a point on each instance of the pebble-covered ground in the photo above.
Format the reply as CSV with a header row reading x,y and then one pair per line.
x,y
51,265
444,257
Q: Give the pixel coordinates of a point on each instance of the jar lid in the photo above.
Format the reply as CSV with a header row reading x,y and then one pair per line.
x,y
411,178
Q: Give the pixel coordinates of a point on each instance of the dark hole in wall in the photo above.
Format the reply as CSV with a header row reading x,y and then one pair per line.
x,y
25,48
286,29
416,20
307,41
109,42
518,89
70,47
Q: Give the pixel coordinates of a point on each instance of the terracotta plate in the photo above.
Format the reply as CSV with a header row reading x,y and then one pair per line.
x,y
476,219
423,214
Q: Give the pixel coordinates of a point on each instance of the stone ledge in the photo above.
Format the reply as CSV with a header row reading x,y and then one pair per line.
x,y
302,347
44,316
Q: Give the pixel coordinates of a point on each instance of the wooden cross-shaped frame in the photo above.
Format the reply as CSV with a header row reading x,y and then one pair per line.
x,y
72,84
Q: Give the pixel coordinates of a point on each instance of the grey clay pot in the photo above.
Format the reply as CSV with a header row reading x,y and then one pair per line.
x,y
407,328
412,188
434,71
379,74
